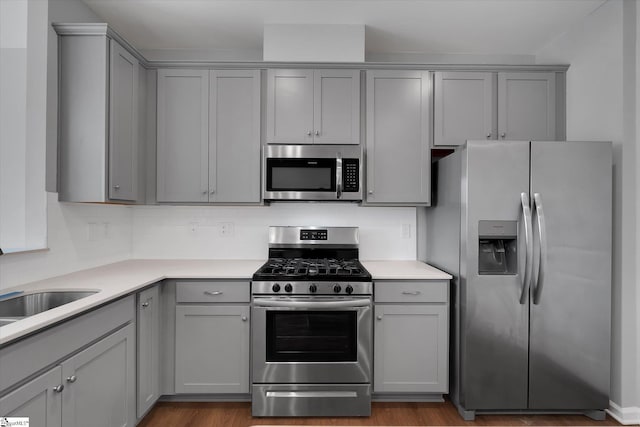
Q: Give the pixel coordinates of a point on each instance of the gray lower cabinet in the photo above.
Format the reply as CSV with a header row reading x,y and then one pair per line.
x,y
208,136
148,349
100,383
39,399
101,109
94,387
212,340
398,154
411,341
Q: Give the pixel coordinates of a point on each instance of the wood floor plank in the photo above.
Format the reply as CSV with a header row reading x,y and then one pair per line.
x,y
238,414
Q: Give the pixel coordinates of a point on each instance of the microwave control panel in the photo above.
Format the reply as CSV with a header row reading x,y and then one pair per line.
x,y
313,234
350,175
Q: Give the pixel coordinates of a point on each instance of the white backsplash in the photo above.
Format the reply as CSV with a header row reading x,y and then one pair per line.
x,y
79,236
199,232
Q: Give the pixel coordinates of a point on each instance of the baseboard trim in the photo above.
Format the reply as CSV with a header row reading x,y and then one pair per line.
x,y
626,416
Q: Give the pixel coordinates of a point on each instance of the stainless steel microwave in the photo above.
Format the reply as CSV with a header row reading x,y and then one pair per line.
x,y
312,172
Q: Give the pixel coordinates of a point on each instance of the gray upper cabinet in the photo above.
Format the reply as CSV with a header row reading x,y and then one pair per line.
x,y
398,156
100,137
123,124
208,140
234,136
183,139
464,107
313,106
490,105
527,106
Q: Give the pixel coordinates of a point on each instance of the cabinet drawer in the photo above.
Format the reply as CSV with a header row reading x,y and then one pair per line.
x,y
213,291
411,291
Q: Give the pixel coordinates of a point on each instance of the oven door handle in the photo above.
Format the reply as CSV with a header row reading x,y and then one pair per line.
x,y
312,304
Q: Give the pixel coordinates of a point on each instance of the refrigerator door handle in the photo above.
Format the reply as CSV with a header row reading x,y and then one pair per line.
x,y
528,238
542,233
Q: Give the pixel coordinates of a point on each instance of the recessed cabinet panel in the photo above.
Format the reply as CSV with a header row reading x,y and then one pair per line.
x,y
527,106
290,107
212,349
465,107
123,125
398,154
38,400
411,348
183,137
234,136
337,107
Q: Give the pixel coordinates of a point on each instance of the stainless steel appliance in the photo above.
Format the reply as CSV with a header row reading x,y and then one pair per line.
x,y
312,172
312,325
525,228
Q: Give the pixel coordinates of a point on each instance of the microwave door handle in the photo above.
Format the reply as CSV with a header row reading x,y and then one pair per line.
x,y
339,176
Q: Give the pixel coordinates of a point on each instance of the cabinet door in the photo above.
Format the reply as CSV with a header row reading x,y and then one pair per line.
x,y
398,153
123,124
148,344
100,383
183,136
527,106
234,136
37,400
212,349
289,106
411,348
464,107
336,107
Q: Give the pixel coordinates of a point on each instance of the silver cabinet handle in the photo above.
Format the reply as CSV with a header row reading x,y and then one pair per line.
x,y
58,388
489,135
308,133
213,293
542,234
72,379
244,318
528,231
116,187
145,304
370,191
317,132
212,192
502,135
204,192
379,317
410,292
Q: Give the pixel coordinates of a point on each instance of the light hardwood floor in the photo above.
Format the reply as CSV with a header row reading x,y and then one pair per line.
x,y
170,414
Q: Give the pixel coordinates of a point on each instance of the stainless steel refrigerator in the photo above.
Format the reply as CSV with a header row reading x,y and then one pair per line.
x,y
525,228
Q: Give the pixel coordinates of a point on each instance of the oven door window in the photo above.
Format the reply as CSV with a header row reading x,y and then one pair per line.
x,y
301,175
312,336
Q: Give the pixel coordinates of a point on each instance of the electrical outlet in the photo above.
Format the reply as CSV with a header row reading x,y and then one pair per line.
x,y
226,229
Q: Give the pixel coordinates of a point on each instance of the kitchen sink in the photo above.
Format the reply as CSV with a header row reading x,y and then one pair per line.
x,y
18,307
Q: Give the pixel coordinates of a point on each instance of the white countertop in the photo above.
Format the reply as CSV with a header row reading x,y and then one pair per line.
x,y
126,277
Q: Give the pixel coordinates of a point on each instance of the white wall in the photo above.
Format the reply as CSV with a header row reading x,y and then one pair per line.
x,y
194,232
600,82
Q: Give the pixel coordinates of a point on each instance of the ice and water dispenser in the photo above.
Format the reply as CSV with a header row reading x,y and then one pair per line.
x,y
498,247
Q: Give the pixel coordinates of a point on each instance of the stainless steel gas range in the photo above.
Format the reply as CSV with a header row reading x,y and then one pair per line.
x,y
312,325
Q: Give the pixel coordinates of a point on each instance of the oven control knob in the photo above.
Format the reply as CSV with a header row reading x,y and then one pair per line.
x,y
349,289
288,287
337,288
275,288
313,289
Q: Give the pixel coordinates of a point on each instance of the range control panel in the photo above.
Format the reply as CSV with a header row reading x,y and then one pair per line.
x,y
313,234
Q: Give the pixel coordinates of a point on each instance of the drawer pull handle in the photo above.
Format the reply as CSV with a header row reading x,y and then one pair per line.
x,y
58,388
410,292
213,293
